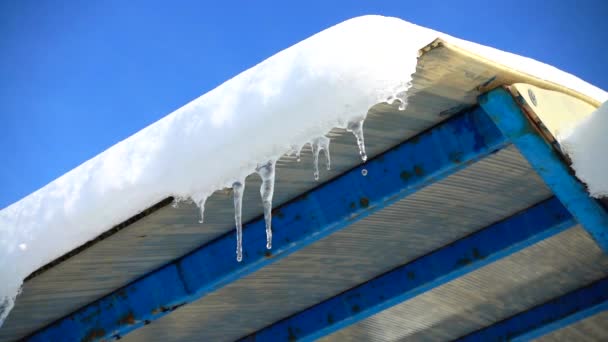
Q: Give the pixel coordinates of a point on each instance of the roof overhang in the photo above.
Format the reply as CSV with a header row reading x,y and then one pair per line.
x,y
444,178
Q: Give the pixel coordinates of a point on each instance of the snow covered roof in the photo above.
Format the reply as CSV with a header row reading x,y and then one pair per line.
x,y
300,95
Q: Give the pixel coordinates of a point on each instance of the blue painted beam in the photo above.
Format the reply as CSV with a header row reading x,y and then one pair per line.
x,y
425,159
437,268
543,319
514,124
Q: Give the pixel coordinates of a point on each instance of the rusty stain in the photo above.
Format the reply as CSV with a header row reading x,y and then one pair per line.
x,y
87,318
268,254
278,213
297,217
405,176
127,319
290,335
356,308
418,170
177,306
330,319
456,157
476,253
464,261
364,202
94,334
354,295
411,275
122,293
353,205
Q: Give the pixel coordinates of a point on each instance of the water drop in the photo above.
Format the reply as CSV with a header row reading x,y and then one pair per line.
x,y
267,172
320,144
238,188
364,172
356,127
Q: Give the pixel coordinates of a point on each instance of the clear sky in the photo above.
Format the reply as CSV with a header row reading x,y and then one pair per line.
x,y
77,77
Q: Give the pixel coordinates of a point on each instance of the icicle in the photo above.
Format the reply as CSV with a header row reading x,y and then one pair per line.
x,y
356,127
6,305
295,151
199,199
400,95
201,206
266,172
298,152
320,144
238,188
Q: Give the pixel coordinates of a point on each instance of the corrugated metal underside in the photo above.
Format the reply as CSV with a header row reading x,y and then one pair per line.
x,y
589,330
490,190
171,232
531,277
465,202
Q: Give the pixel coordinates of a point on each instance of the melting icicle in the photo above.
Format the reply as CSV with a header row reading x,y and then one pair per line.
x,y
356,127
238,188
6,305
201,206
298,152
320,144
266,172
295,150
199,199
400,95
177,200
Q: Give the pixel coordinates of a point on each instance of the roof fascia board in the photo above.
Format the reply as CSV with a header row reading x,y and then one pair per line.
x,y
513,122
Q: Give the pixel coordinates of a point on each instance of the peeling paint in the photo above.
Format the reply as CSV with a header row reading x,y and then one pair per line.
x,y
94,334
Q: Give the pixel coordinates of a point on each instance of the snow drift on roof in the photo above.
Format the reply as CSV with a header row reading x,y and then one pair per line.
x,y
293,97
586,145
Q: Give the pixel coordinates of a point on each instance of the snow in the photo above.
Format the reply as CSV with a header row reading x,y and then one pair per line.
x,y
586,145
294,97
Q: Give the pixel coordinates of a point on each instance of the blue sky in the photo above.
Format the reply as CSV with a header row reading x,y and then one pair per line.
x,y
77,77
